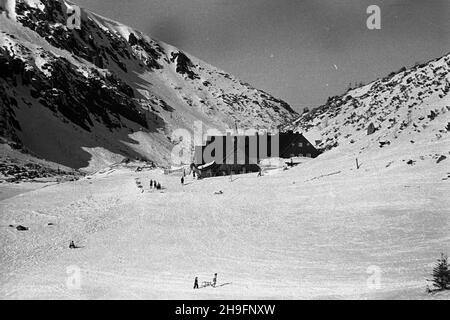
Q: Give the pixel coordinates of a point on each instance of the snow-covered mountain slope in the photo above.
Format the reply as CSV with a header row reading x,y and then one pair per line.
x,y
87,97
411,106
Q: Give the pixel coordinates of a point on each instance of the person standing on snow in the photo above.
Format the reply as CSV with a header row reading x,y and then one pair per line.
x,y
196,283
182,180
214,282
151,184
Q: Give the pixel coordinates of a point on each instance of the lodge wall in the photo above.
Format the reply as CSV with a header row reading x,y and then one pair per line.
x,y
250,149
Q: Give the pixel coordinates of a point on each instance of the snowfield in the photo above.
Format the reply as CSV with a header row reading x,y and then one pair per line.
x,y
318,230
365,220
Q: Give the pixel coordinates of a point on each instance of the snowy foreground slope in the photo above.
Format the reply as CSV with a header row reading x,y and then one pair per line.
x,y
313,231
87,98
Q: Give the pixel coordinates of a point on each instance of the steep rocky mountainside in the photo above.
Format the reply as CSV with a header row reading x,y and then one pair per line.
x,y
411,106
88,97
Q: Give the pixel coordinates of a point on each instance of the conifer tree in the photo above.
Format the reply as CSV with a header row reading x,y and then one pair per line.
x,y
441,274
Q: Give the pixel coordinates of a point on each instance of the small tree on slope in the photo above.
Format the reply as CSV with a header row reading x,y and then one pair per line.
x,y
441,274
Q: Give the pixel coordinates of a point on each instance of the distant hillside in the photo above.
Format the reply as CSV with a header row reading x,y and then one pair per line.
x,y
409,106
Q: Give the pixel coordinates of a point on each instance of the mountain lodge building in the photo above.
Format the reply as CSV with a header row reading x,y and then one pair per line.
x,y
235,154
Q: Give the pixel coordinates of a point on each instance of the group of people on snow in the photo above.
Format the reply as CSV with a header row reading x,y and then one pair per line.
x,y
213,283
155,184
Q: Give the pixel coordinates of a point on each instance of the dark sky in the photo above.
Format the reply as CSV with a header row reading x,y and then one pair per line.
x,y
302,51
